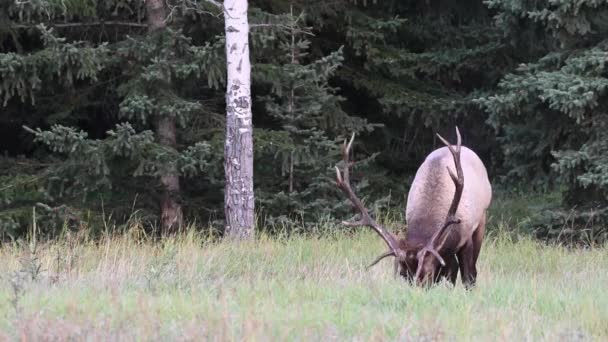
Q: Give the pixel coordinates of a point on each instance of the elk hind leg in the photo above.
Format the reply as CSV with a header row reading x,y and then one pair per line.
x,y
468,254
468,271
478,238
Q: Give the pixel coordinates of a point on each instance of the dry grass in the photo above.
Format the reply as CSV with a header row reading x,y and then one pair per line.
x,y
121,288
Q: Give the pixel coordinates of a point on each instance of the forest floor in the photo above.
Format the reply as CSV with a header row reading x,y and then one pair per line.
x,y
299,288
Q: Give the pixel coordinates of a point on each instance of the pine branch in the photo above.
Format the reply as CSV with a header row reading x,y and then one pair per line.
x,y
98,23
252,26
214,3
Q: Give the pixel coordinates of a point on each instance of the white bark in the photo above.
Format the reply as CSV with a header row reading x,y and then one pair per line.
x,y
238,150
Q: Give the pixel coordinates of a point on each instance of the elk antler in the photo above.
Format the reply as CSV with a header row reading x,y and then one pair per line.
x,y
382,256
451,218
343,182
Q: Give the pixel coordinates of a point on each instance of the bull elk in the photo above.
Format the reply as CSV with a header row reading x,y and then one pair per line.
x,y
445,216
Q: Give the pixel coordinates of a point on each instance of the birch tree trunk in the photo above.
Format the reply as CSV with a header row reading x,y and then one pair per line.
x,y
238,150
171,209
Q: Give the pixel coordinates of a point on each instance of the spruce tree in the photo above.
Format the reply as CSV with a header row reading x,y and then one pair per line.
x,y
171,210
414,69
551,113
96,83
142,70
312,124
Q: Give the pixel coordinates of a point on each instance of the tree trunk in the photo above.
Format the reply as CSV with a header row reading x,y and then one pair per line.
x,y
171,209
238,150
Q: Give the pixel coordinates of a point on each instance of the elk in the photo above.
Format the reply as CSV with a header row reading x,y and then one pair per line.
x,y
445,215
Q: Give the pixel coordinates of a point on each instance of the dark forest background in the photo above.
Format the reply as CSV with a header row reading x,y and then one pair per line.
x,y
83,85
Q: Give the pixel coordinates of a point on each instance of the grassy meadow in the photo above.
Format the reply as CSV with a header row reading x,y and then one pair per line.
x,y
123,287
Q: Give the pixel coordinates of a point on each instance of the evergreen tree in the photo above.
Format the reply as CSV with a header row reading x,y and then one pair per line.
x,y
413,69
416,67
551,113
94,85
171,209
143,79
311,122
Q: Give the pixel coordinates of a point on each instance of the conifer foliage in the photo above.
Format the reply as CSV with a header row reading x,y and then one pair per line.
x,y
117,109
551,114
311,124
140,72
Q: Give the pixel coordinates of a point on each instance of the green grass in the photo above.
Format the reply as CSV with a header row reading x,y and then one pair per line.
x,y
300,288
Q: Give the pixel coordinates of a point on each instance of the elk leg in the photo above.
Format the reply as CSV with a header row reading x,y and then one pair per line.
x,y
450,271
406,273
478,238
468,271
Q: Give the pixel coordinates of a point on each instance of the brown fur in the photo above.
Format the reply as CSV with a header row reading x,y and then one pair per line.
x,y
428,201
445,213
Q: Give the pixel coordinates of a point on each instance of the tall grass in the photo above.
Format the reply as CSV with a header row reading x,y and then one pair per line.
x,y
299,288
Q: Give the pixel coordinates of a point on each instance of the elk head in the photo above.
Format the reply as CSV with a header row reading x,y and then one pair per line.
x,y
421,262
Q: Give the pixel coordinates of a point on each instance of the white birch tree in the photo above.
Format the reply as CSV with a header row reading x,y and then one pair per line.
x,y
238,149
